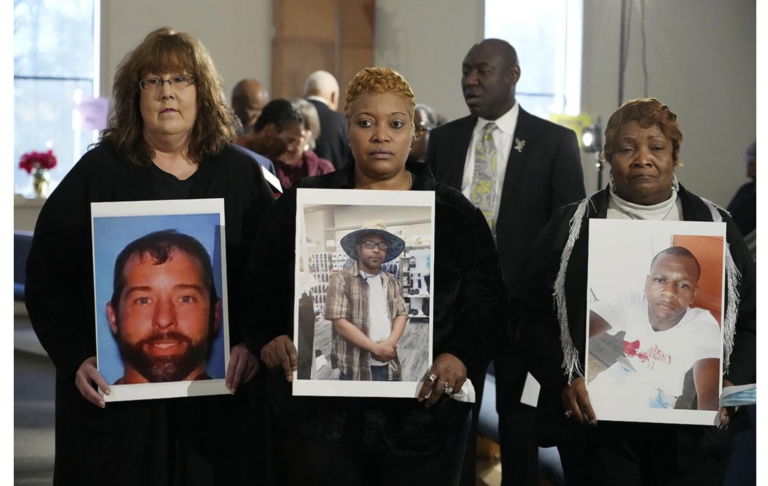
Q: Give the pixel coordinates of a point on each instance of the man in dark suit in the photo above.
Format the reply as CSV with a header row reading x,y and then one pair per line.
x,y
322,90
518,169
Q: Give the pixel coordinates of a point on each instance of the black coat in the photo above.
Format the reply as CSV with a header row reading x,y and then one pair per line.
x,y
538,331
471,303
332,142
128,442
541,178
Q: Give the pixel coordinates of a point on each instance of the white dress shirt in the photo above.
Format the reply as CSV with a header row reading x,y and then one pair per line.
x,y
502,138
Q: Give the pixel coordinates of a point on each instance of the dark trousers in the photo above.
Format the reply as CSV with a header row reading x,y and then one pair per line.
x,y
353,463
519,451
640,454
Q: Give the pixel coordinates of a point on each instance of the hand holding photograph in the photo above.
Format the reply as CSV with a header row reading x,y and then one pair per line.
x,y
161,300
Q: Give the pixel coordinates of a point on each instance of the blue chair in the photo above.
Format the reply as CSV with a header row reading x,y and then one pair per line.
x,y
22,243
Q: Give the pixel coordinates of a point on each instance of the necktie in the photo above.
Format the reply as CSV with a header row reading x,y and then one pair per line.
x,y
483,193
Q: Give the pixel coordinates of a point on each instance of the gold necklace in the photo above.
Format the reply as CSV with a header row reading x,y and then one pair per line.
x,y
406,188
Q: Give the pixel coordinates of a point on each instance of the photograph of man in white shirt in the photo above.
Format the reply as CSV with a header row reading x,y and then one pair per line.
x,y
664,338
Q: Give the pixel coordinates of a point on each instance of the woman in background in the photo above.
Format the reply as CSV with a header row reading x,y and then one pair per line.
x,y
300,160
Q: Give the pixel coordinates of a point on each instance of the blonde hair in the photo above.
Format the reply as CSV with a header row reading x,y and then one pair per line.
x,y
168,51
379,80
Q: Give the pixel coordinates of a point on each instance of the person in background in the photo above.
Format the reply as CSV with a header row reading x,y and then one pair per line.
x,y
743,207
425,120
300,160
278,129
381,441
642,146
519,169
322,90
170,136
248,100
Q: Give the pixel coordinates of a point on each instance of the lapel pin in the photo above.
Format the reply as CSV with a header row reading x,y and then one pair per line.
x,y
519,144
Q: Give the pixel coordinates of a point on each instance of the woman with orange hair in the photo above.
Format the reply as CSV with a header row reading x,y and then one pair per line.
x,y
353,441
642,148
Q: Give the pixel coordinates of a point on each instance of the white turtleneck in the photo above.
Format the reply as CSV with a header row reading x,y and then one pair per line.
x,y
669,210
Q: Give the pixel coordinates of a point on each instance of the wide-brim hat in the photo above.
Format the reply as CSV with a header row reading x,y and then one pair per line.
x,y
378,227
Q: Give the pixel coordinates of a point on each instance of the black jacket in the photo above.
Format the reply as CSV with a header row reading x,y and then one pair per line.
x,y
471,302
545,175
332,142
126,443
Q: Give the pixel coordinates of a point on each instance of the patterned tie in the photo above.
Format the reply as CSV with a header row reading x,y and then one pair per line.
x,y
483,193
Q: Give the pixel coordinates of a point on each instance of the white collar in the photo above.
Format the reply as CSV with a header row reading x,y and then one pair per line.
x,y
637,211
506,122
318,98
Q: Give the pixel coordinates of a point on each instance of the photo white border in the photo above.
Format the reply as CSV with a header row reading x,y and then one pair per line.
x,y
336,388
174,389
602,229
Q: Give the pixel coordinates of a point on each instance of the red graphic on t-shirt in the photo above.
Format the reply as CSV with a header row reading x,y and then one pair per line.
x,y
654,353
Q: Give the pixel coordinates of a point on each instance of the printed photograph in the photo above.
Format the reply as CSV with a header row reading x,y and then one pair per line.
x,y
655,313
160,294
363,281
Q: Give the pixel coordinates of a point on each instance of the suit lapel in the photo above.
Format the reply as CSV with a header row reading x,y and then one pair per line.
x,y
523,137
460,140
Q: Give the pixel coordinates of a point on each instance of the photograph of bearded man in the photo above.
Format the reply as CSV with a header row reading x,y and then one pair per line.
x,y
164,312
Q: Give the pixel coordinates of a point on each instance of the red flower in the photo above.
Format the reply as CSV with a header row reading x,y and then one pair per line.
x,y
37,161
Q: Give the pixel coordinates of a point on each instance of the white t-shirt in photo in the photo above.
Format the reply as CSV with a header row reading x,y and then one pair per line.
x,y
661,358
378,312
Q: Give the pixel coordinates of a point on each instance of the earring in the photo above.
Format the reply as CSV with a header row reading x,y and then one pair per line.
x,y
611,183
675,183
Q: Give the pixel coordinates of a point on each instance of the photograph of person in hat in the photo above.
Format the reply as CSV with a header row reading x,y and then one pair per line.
x,y
366,307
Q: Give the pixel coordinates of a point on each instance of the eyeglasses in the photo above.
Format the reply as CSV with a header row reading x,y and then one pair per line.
x,y
421,131
177,83
370,245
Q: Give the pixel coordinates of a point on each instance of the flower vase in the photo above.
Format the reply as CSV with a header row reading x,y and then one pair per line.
x,y
41,183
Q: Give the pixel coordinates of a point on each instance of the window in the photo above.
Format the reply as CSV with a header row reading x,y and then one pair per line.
x,y
547,36
55,61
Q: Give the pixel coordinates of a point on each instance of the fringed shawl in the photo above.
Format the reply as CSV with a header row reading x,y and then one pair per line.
x,y
570,363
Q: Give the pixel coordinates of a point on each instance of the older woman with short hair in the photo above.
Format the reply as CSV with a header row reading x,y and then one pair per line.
x,y
642,147
170,136
300,160
353,441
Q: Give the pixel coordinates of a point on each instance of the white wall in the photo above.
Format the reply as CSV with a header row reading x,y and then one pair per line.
x,y
426,41
237,34
701,57
701,62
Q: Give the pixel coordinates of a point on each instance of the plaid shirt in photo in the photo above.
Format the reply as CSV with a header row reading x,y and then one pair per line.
x,y
348,299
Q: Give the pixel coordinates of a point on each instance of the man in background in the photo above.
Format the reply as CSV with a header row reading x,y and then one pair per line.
x,y
322,90
518,169
248,100
277,129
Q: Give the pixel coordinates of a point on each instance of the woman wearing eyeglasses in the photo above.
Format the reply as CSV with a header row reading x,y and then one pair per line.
x,y
170,136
